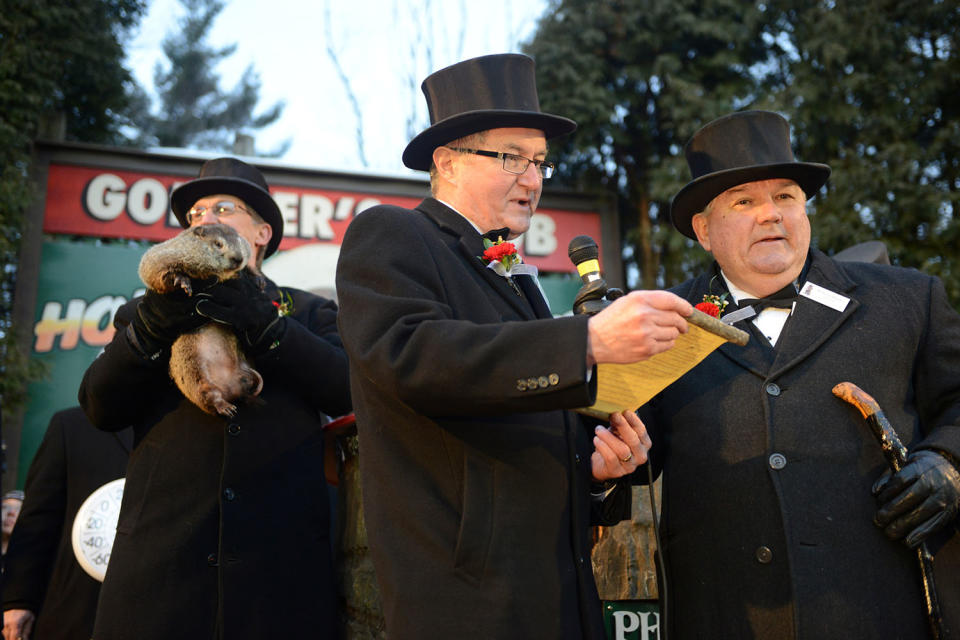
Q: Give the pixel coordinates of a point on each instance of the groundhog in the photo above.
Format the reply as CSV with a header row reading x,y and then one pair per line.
x,y
207,364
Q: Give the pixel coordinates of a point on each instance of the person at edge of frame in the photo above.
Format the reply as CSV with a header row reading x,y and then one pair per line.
x,y
778,520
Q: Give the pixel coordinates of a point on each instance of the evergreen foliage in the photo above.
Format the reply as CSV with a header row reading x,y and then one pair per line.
x,y
869,88
61,70
194,111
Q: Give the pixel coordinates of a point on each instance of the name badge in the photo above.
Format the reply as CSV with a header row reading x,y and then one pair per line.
x,y
824,296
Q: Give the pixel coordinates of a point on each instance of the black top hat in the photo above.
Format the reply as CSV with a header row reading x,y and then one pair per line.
x,y
235,178
738,148
489,92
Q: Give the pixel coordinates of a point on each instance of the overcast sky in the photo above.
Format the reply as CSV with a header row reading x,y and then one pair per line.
x,y
384,47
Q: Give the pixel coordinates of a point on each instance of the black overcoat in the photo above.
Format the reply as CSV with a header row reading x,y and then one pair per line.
x,y
767,508
224,526
475,483
41,572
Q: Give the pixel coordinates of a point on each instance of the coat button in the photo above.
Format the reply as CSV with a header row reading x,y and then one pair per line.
x,y
543,382
777,461
521,385
229,494
233,428
764,555
554,379
773,389
531,383
212,559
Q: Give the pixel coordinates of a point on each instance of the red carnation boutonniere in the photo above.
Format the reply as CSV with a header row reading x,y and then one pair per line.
x,y
712,305
502,258
284,305
503,252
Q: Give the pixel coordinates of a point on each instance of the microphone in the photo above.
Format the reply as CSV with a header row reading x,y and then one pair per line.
x,y
584,253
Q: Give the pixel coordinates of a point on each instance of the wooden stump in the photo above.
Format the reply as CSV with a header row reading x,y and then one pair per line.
x,y
623,557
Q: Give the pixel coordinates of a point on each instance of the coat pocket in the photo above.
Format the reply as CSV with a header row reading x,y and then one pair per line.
x,y
476,519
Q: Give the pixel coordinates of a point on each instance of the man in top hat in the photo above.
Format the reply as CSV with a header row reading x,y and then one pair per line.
x,y
476,483
224,527
777,521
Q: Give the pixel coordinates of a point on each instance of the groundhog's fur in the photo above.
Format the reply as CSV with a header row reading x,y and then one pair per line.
x,y
207,364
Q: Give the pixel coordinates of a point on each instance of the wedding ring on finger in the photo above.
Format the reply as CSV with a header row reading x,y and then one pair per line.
x,y
627,459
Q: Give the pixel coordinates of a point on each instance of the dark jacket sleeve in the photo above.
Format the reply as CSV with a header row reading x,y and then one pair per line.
x,y
122,381
616,507
33,544
310,357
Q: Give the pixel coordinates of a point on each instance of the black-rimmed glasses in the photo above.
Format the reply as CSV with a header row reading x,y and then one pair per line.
x,y
512,163
222,209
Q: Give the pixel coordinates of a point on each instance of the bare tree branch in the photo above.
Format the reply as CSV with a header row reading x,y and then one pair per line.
x,y
345,81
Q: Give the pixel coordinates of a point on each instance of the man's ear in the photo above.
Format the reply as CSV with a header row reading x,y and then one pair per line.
x,y
443,160
699,224
264,233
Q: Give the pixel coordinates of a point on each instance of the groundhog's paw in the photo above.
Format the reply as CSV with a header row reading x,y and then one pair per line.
x,y
224,408
183,282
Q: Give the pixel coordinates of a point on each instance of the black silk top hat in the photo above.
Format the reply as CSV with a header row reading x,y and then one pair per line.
x,y
489,92
234,178
742,147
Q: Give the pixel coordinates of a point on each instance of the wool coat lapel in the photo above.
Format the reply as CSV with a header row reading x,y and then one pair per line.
x,y
530,289
755,356
808,328
813,323
470,245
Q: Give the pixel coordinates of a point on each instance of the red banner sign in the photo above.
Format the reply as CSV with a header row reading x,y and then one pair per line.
x,y
126,204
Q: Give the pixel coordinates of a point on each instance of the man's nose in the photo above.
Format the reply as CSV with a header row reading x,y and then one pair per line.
x,y
530,177
208,217
769,212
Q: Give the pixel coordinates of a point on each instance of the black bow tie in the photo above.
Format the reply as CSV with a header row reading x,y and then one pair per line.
x,y
759,304
782,299
495,235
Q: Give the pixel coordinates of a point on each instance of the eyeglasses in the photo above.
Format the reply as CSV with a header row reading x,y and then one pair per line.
x,y
222,209
512,163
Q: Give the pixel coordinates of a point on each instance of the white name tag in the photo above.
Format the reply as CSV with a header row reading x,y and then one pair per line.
x,y
824,296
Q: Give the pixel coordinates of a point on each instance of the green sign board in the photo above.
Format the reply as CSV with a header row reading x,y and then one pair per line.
x,y
80,287
631,619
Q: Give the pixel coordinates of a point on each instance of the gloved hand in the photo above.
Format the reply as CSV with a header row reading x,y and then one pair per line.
x,y
920,499
162,317
240,303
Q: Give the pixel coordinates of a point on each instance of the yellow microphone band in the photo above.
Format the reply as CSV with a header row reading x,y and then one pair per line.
x,y
588,266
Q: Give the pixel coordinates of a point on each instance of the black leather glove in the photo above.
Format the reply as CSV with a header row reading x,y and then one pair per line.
x,y
240,303
162,317
920,499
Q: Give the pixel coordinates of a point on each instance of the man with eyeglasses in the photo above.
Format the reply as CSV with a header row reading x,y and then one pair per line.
x,y
479,487
225,522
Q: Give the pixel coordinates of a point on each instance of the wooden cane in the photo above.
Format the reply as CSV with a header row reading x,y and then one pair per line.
x,y
896,456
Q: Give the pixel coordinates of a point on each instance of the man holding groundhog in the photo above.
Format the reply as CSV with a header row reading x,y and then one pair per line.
x,y
224,527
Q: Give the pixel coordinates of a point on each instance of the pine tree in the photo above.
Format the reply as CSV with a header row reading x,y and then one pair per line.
x,y
868,87
639,77
194,111
871,88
